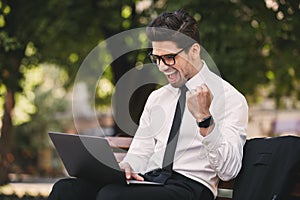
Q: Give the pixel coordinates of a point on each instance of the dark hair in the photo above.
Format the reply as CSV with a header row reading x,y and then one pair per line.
x,y
178,27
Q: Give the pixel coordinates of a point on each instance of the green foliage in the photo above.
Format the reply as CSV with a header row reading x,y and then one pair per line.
x,y
51,112
247,40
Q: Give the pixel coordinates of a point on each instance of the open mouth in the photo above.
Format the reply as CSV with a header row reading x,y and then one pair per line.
x,y
172,76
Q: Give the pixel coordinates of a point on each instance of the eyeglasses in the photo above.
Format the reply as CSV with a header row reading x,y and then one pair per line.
x,y
168,59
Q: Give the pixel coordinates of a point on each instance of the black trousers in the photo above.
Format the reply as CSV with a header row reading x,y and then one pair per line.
x,y
178,187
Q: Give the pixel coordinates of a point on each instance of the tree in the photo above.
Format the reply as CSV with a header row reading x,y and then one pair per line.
x,y
11,54
28,30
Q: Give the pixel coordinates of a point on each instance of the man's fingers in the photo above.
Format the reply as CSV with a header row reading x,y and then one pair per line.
x,y
188,94
137,177
202,88
127,169
129,174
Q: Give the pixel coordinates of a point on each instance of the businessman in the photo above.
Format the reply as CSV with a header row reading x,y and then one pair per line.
x,y
191,132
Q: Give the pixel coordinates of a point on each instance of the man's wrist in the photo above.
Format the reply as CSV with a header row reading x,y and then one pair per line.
x,y
205,122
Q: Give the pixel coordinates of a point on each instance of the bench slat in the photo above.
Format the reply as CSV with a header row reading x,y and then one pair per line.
x,y
223,198
119,142
119,156
226,184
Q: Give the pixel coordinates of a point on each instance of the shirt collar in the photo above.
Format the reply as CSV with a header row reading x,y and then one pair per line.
x,y
175,91
199,78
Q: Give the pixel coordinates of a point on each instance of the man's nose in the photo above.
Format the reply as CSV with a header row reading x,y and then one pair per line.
x,y
162,66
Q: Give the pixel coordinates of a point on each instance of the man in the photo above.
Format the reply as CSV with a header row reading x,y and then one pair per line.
x,y
207,138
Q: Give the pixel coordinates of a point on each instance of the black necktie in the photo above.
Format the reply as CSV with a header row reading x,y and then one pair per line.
x,y
173,138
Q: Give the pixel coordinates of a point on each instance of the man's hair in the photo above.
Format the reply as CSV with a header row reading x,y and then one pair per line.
x,y
171,26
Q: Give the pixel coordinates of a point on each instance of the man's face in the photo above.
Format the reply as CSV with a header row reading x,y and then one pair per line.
x,y
183,69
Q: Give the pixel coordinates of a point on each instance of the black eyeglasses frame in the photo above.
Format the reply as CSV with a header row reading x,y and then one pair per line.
x,y
154,58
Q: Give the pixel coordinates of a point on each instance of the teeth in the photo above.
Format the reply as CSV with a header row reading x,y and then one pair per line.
x,y
170,72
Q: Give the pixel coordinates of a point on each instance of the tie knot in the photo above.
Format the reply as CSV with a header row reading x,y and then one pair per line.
x,y
182,98
183,90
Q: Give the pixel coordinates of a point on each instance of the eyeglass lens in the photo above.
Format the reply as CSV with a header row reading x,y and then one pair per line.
x,y
167,59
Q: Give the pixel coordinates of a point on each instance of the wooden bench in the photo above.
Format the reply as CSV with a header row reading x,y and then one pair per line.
x,y
225,188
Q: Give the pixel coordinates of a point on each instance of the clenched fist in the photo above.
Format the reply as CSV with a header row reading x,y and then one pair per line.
x,y
199,101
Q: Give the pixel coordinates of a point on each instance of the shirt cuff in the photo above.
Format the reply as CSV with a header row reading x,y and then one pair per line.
x,y
213,140
134,162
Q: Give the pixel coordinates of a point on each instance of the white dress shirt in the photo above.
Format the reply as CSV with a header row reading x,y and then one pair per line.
x,y
203,159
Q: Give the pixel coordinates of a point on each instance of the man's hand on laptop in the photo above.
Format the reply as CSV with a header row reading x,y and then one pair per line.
x,y
129,173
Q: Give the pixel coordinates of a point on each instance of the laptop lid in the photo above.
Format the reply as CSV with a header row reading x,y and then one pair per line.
x,y
88,157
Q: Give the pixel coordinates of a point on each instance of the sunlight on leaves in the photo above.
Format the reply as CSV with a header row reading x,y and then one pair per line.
x,y
272,4
37,81
266,50
126,24
6,10
270,75
2,21
30,49
126,12
254,24
23,109
105,88
73,57
280,15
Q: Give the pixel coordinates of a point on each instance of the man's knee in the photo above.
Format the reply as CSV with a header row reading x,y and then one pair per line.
x,y
61,187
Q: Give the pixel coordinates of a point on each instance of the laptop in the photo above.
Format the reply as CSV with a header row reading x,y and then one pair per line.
x,y
90,158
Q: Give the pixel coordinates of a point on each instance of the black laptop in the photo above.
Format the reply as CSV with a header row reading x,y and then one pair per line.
x,y
90,158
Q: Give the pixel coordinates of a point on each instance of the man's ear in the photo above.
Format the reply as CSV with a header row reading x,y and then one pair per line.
x,y
195,50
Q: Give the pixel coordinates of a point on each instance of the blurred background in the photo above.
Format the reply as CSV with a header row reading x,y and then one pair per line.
x,y
255,45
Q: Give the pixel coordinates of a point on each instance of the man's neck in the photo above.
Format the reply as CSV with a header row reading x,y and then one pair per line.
x,y
199,64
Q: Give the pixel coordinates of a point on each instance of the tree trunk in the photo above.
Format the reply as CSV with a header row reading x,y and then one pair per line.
x,y
119,67
137,99
11,82
6,157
